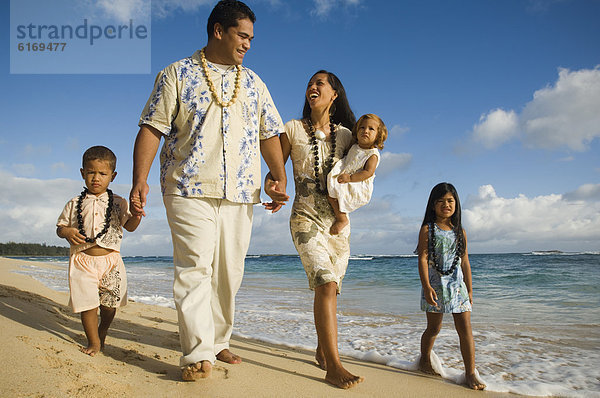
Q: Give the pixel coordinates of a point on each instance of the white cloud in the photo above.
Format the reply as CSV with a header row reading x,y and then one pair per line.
x,y
24,169
495,128
29,209
40,150
567,159
392,162
584,192
322,8
564,114
378,229
164,8
151,238
271,232
59,166
523,224
124,10
398,130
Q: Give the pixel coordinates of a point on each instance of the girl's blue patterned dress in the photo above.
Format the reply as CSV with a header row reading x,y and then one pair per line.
x,y
451,290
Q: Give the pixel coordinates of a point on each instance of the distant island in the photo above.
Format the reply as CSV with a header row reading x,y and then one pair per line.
x,y
32,249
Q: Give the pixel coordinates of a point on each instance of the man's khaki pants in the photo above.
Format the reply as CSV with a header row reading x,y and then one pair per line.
x,y
210,241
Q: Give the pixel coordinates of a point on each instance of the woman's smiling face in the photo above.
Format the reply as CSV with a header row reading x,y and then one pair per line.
x,y
319,92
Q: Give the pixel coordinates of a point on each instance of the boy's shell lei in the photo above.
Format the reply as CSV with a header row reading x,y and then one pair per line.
x,y
106,216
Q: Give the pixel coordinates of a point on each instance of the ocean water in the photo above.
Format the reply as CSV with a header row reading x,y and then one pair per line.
x,y
536,316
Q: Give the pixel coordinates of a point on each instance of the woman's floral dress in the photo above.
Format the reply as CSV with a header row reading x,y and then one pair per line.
x,y
324,256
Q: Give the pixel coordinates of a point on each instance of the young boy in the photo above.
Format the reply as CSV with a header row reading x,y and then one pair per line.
x,y
92,223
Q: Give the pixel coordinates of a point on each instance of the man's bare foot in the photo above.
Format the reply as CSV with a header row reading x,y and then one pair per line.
x,y
320,358
229,357
343,379
338,226
426,367
196,371
91,349
472,381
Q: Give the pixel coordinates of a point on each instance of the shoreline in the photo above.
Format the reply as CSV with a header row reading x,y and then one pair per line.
x,y
41,356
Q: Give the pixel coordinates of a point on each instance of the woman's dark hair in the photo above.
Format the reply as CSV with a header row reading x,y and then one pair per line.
x,y
439,191
342,112
227,13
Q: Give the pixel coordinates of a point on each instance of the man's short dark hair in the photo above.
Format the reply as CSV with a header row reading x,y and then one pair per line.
x,y
227,13
100,153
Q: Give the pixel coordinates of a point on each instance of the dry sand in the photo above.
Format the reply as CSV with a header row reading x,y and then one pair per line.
x,y
40,357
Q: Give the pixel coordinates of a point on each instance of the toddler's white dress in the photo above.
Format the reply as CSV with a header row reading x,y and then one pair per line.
x,y
352,195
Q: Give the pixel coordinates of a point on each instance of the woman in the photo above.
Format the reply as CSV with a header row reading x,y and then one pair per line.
x,y
314,144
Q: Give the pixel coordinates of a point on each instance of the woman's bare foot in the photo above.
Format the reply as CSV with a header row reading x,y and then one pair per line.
x,y
343,379
472,381
320,358
195,371
229,357
338,226
426,367
91,349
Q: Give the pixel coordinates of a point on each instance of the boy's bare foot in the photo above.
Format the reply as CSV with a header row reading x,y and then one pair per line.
x,y
472,381
102,335
195,371
229,357
426,367
343,379
338,226
91,349
320,358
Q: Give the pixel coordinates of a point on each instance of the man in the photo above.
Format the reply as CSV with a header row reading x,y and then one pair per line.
x,y
215,117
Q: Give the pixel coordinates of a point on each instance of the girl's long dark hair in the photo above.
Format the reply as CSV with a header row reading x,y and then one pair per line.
x,y
343,113
438,192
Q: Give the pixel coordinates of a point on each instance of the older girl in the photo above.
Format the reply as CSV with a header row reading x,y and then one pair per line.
x,y
445,274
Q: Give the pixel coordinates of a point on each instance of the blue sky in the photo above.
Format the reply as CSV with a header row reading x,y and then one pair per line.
x,y
501,98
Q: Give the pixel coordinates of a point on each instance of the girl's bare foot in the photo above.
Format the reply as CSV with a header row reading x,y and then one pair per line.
x,y
320,358
343,379
229,357
195,371
472,381
426,367
91,349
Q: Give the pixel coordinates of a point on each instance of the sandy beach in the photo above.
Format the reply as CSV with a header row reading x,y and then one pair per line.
x,y
41,357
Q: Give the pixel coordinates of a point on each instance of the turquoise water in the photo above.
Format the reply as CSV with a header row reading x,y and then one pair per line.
x,y
536,317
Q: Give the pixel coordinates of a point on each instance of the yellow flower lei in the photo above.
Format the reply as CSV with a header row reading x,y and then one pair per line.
x,y
211,86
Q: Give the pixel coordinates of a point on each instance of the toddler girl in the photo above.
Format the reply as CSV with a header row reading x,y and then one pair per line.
x,y
350,181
